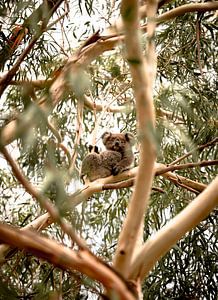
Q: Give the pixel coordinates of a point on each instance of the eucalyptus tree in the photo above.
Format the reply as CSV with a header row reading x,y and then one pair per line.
x,y
72,70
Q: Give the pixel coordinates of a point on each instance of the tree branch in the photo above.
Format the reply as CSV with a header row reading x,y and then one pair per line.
x,y
190,185
59,86
44,201
187,8
201,147
203,163
143,75
79,120
5,80
51,7
41,83
166,237
66,259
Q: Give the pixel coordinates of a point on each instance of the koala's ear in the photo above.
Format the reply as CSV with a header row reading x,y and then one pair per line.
x,y
130,138
105,136
93,149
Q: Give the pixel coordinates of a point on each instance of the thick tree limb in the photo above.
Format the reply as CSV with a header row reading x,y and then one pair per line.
x,y
117,28
65,258
143,74
187,8
166,237
42,222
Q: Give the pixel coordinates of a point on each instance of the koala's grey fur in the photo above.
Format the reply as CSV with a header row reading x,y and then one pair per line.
x,y
117,157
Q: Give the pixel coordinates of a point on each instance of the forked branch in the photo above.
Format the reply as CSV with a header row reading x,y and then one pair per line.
x,y
166,237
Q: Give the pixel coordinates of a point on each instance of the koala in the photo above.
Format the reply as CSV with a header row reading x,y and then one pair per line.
x,y
117,157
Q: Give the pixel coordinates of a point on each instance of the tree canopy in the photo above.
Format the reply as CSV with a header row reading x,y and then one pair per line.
x,y
71,70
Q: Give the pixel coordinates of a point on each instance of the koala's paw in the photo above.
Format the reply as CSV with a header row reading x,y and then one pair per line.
x,y
116,170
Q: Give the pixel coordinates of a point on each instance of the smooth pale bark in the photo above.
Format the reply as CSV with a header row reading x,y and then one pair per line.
x,y
67,259
143,73
166,237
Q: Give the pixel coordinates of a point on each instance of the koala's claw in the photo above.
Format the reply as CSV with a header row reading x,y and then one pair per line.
x,y
116,170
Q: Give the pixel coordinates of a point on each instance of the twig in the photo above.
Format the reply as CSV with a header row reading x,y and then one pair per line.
x,y
184,182
203,163
57,20
79,118
59,140
50,27
66,151
54,130
198,36
98,107
211,143
177,182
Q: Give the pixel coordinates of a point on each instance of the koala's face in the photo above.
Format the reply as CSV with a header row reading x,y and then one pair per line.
x,y
117,141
